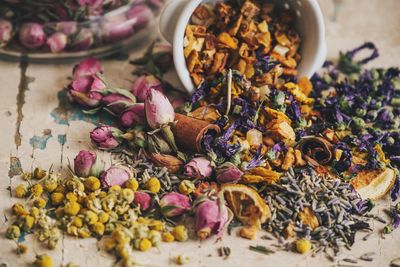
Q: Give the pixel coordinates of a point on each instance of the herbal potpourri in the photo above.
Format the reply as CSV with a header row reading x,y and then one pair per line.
x,y
289,155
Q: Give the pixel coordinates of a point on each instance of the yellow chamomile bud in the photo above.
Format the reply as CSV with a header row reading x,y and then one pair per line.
x,y
153,185
57,198
37,190
71,197
27,222
84,232
168,237
50,185
39,173
186,187
155,237
92,183
35,212
182,260
20,191
156,225
13,232
40,203
145,244
180,233
103,217
19,209
77,221
91,217
72,208
132,184
43,261
115,189
128,195
303,245
98,228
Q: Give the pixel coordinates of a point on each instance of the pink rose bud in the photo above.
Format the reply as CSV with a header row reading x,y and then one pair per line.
x,y
210,218
141,15
87,67
66,27
228,173
141,87
57,42
159,110
87,164
133,116
32,35
174,204
6,32
198,168
83,40
143,200
118,28
106,137
86,90
117,103
116,175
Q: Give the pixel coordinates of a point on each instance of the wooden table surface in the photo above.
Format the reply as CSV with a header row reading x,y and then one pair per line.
x,y
39,128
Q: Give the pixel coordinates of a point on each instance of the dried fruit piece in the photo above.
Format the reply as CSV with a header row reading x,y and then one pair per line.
x,y
246,204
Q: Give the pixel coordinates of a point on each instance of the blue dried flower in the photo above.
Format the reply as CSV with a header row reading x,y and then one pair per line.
x,y
395,190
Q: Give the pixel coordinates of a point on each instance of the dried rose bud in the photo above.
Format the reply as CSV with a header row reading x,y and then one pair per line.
x,y
228,173
118,102
57,42
87,164
198,168
86,90
172,163
133,116
141,87
116,175
118,28
83,40
90,3
210,218
174,204
143,200
32,35
141,15
106,137
66,27
159,110
86,67
6,32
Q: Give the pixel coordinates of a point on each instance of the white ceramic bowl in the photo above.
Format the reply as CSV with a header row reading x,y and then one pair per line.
x,y
310,25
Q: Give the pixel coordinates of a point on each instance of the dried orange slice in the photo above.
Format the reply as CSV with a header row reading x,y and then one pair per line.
x,y
246,204
374,184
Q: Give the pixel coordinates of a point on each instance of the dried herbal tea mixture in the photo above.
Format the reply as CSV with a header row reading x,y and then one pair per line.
x,y
252,37
301,160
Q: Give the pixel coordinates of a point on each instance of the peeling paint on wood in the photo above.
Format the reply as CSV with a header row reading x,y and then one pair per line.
x,y
41,141
15,167
67,112
22,88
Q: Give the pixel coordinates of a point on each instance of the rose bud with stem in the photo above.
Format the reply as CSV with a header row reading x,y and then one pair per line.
x,y
160,114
